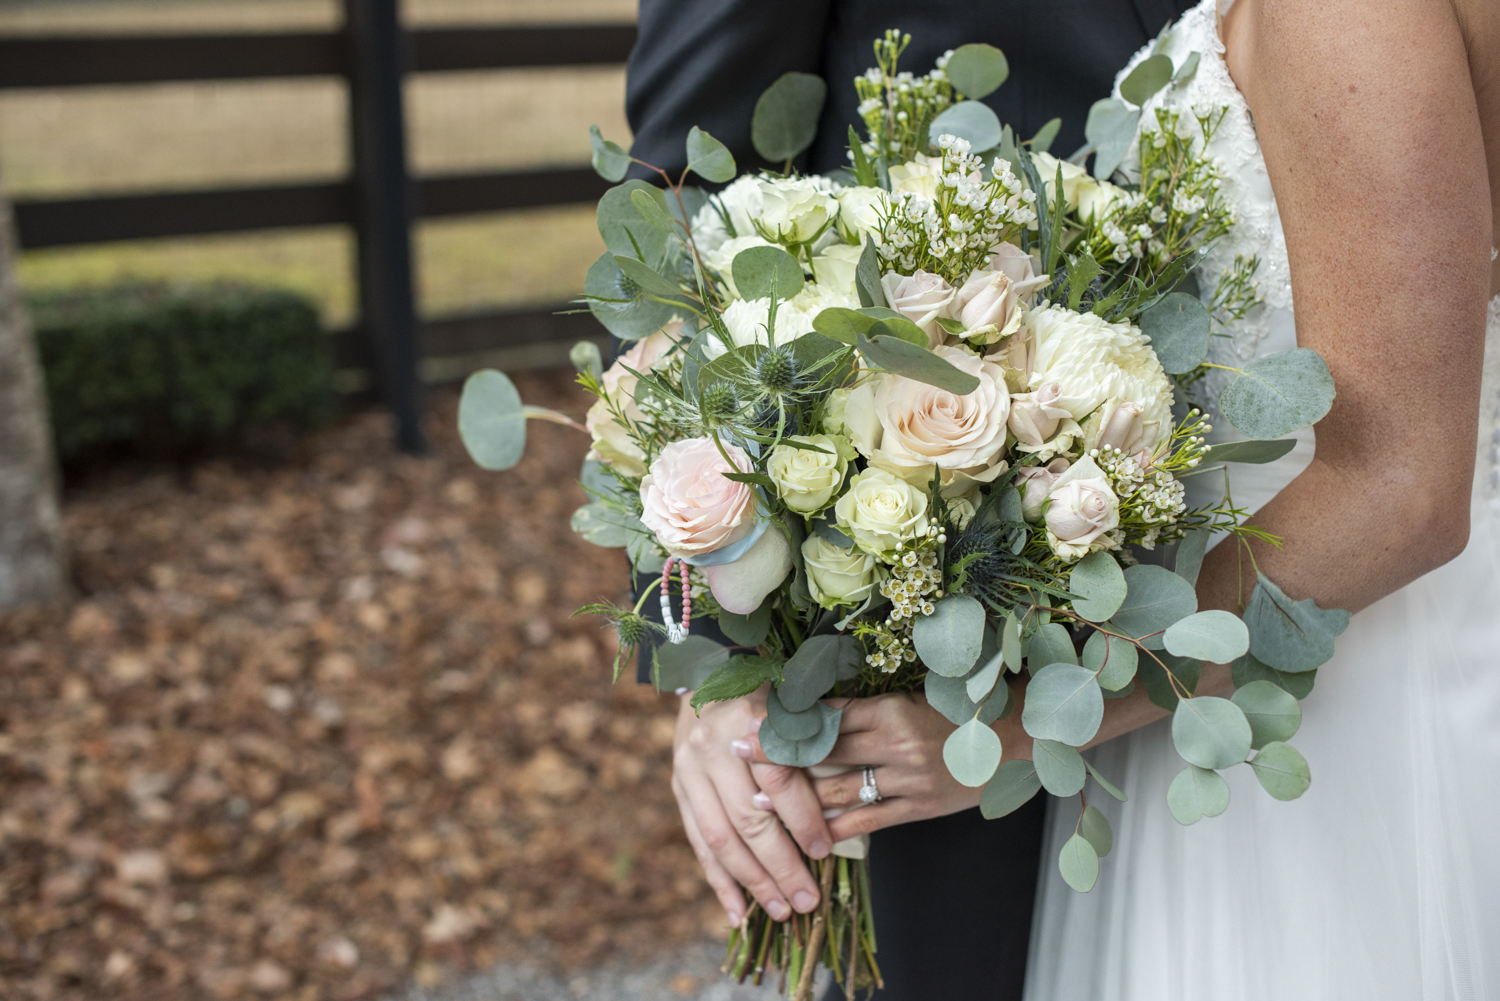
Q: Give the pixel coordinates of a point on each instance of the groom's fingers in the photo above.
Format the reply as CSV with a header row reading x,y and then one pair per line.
x,y
793,800
724,843
886,813
868,747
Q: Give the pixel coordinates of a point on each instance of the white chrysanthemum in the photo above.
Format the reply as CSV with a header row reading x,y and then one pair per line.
x,y
1091,361
746,320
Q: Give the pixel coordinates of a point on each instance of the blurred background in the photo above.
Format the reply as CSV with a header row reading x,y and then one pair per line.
x,y
316,721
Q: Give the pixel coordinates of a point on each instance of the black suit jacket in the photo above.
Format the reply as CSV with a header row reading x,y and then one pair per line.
x,y
705,62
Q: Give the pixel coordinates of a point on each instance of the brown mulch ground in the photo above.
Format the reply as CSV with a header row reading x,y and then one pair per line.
x,y
317,727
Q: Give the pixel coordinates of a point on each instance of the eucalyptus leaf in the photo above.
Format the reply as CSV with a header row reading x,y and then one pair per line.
x,y
1113,659
812,670
1210,732
1291,636
689,663
760,272
1050,644
949,640
741,675
1063,702
968,120
1282,771
1154,599
1187,70
828,532
1110,129
902,358
1188,560
786,116
651,211
982,682
976,71
747,630
1011,787
867,276
1042,141
1159,685
950,697
618,303
709,158
1150,76
602,525
1275,395
645,555
625,231
1010,642
1179,328
1248,669
788,725
1197,793
585,357
1273,712
649,281
900,328
843,325
491,420
1099,584
1252,451
1095,827
972,753
1059,767
610,161
1079,864
1216,636
1104,783
802,753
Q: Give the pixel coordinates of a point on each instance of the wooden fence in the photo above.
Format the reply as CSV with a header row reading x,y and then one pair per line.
x,y
379,199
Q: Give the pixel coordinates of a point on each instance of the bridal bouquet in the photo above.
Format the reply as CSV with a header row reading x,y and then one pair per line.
x,y
921,426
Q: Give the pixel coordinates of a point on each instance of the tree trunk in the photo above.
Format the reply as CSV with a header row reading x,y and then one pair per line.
x,y
33,560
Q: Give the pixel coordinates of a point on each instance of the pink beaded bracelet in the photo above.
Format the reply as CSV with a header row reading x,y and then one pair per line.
x,y
675,633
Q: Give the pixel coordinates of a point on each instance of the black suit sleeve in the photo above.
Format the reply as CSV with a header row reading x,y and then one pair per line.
x,y
705,63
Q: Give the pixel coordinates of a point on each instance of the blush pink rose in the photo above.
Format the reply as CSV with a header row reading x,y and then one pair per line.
x,y
690,505
922,298
612,441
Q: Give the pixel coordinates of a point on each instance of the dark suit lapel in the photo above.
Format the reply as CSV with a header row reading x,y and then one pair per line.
x,y
1154,14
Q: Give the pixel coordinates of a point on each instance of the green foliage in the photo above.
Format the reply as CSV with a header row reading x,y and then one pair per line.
x,y
1095,827
950,696
1272,711
1179,329
1042,141
610,161
1188,559
905,358
977,71
972,753
814,667
709,158
1155,598
1063,703
1282,770
949,640
1247,669
1215,636
741,675
1210,732
786,116
1010,788
1060,767
176,367
1253,451
802,753
971,121
1113,659
1275,395
1146,79
1099,584
625,231
620,304
1079,864
1110,129
491,420
1050,644
1158,684
789,725
760,272
747,630
687,664
1197,793
1291,636
1104,783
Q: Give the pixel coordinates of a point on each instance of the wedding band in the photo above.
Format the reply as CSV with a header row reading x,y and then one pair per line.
x,y
869,793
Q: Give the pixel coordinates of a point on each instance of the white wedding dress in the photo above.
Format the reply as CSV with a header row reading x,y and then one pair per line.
x,y
1383,880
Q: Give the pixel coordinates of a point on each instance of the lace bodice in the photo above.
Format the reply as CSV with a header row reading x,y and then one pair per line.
x,y
1269,327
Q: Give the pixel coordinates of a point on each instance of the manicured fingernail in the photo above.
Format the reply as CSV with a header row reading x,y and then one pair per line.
x,y
804,901
752,725
734,919
741,749
680,691
778,910
761,801
818,849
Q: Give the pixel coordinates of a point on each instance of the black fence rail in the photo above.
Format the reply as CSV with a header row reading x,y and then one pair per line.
x,y
379,199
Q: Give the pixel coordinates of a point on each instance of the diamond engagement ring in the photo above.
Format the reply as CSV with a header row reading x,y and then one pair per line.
x,y
868,793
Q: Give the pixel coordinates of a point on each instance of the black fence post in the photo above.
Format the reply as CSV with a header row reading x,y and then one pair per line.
x,y
380,58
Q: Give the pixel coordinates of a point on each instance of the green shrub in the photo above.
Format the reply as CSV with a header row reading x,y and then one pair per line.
x,y
168,367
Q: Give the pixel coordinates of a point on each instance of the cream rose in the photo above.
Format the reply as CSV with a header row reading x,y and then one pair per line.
x,y
882,511
1036,482
988,307
1073,176
922,298
690,505
919,177
1120,424
908,427
1092,360
1081,508
612,441
861,210
806,480
1039,424
795,209
837,576
747,319
835,267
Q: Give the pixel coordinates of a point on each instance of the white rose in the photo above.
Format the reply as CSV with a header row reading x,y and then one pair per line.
x,y
1091,361
1073,176
1081,509
882,511
860,211
612,440
746,319
1096,198
739,201
838,576
836,267
1039,424
1120,424
795,209
919,177
806,480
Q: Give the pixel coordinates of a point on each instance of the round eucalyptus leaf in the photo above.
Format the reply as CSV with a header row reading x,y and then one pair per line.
x,y
979,684
1188,559
1010,788
1187,70
586,358
1146,79
1099,583
786,116
1273,712
1064,703
1159,685
1050,644
1042,141
491,420
709,158
1248,669
1179,329
1010,643
812,670
1210,732
1254,451
1216,636
1155,598
1095,827
1282,770
793,726
1275,395
976,71
620,304
610,161
972,753
1104,783
1059,767
949,640
689,663
1110,129
647,278
1113,659
1291,636
760,272
802,753
1197,793
950,697
968,120
625,231
603,526
747,630
1079,864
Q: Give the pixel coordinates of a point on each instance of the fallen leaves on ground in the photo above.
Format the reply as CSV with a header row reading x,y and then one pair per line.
x,y
318,727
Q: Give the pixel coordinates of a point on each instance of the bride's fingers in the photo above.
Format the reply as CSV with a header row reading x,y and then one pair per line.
x,y
843,790
719,880
723,841
868,747
886,813
793,800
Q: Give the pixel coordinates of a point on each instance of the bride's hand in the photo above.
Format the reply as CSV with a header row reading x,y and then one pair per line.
x,y
901,737
731,816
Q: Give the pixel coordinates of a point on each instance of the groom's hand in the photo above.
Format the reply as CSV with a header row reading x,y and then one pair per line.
x,y
732,820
